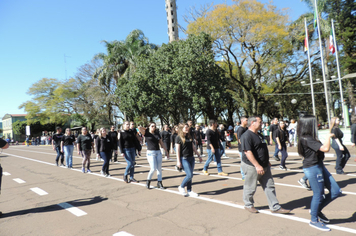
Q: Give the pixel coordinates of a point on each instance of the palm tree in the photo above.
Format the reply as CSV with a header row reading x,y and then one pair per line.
x,y
122,56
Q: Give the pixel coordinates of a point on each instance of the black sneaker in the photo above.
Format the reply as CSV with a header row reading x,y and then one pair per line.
x,y
323,218
276,158
133,180
282,168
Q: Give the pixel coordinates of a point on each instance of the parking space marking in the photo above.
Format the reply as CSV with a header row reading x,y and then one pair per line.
x,y
20,181
39,191
74,210
6,173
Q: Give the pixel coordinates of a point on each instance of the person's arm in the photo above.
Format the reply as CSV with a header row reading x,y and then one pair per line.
x,y
254,162
52,144
279,143
92,146
179,164
142,130
164,147
326,146
196,152
208,139
78,145
97,146
270,135
62,146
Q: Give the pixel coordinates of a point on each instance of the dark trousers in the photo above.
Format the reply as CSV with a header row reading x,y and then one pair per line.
x,y
284,155
115,154
59,154
341,157
0,177
106,158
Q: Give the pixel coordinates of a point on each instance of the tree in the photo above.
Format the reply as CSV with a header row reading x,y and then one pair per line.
x,y
254,42
179,80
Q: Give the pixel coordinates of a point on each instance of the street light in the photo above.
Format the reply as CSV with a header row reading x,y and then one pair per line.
x,y
294,101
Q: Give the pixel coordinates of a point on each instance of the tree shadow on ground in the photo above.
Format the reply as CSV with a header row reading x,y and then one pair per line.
x,y
344,183
285,174
221,191
351,219
55,207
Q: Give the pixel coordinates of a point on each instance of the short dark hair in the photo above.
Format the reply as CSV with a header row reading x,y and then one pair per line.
x,y
211,122
58,128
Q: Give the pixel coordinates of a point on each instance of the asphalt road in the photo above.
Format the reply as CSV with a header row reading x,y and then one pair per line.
x,y
39,198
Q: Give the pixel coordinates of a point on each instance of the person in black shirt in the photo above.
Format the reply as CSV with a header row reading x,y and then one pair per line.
x,y
3,145
199,139
213,148
56,145
312,151
281,138
191,129
173,139
256,166
103,148
96,135
353,132
67,146
113,135
166,139
342,153
85,145
154,154
128,143
185,159
222,131
273,127
239,132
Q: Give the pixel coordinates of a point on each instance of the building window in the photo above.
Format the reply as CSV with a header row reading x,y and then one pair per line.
x,y
172,13
172,20
171,5
173,29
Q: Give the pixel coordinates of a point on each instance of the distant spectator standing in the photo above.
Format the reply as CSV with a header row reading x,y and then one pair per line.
x,y
166,139
199,139
236,128
292,130
113,135
67,147
266,133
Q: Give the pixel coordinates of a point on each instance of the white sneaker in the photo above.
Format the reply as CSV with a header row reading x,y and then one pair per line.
x,y
203,155
102,173
193,194
182,191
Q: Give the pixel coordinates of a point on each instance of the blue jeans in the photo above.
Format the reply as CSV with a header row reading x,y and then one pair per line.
x,y
59,154
320,178
130,154
222,150
68,152
154,158
106,156
242,172
276,149
284,155
216,156
188,166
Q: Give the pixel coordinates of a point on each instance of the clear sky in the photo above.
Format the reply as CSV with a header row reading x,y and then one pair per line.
x,y
36,35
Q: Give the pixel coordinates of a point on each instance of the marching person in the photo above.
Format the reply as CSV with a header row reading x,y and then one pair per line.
x,y
256,166
185,159
240,131
166,139
281,139
353,132
342,153
56,145
113,135
292,130
85,145
213,148
273,127
128,143
67,147
154,154
173,139
103,146
3,145
199,139
312,151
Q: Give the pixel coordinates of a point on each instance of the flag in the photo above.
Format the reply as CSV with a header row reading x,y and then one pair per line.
x,y
315,19
306,46
331,42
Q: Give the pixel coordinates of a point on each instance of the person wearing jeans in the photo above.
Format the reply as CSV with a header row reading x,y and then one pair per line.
x,y
103,146
56,145
154,155
213,144
67,146
342,153
281,139
312,150
185,159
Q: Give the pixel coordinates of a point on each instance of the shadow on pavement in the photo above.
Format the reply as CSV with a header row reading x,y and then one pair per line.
x,y
341,221
55,207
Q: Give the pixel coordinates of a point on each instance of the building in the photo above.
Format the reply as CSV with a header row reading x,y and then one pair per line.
x,y
172,22
7,122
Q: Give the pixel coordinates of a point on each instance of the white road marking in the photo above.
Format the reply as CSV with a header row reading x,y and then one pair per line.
x,y
78,212
6,173
74,210
122,233
20,181
39,191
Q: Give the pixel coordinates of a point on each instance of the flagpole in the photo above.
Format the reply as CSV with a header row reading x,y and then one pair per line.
x,y
338,73
310,69
322,65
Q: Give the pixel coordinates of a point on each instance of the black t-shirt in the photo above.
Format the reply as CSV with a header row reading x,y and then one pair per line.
x,y
152,140
198,135
57,138
186,149
103,144
222,135
85,142
255,143
68,140
311,153
273,128
338,134
166,136
212,138
353,133
239,133
2,143
191,131
173,138
113,137
127,139
282,135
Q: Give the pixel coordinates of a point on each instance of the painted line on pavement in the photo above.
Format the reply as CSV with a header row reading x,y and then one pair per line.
x,y
74,210
39,191
20,181
6,173
78,212
122,233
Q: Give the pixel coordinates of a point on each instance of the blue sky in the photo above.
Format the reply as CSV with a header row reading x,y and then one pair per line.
x,y
35,35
